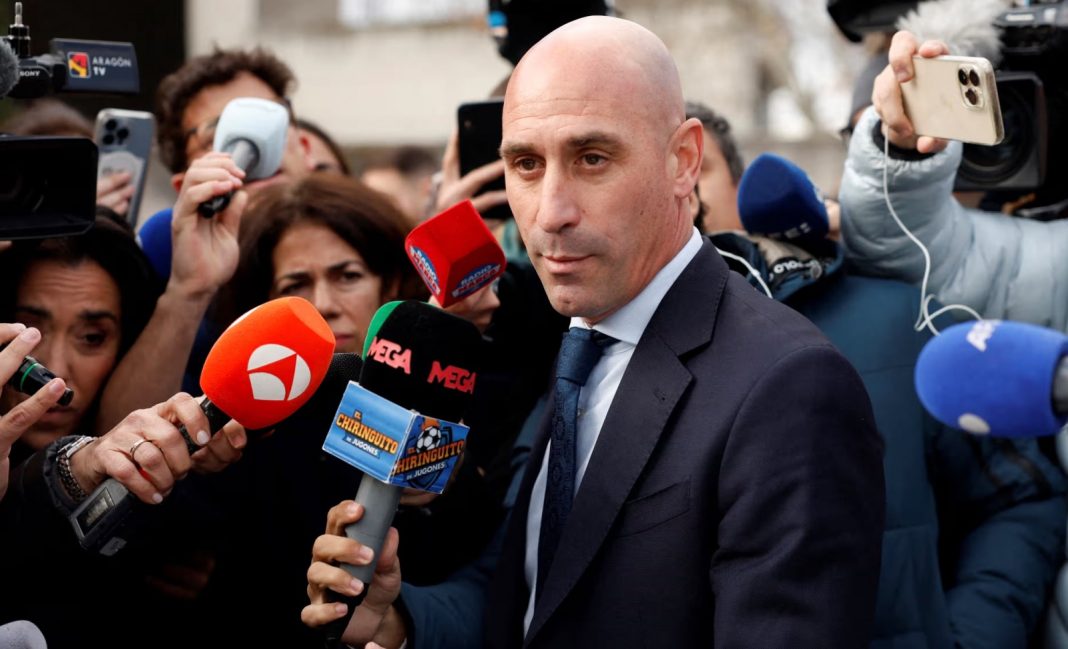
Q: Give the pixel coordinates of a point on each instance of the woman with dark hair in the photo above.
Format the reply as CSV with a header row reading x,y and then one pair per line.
x,y
90,296
328,239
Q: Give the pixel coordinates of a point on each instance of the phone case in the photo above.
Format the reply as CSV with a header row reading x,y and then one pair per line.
x,y
955,98
124,138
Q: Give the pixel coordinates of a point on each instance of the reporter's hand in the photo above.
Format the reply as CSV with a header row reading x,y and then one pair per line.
x,y
454,188
375,619
225,448
886,92
20,341
115,191
477,308
205,249
157,462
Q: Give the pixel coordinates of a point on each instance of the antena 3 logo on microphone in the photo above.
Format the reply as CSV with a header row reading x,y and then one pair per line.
x,y
277,373
268,362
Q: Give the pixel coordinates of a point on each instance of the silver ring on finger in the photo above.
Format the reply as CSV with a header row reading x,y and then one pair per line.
x,y
134,447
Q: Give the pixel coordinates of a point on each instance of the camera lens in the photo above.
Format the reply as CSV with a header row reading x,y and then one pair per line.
x,y
123,133
973,76
962,76
971,96
111,124
109,139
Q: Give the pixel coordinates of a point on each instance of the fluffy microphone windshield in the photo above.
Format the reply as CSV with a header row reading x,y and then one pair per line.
x,y
966,26
9,68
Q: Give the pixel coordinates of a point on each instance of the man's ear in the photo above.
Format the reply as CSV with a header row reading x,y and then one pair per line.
x,y
176,181
687,147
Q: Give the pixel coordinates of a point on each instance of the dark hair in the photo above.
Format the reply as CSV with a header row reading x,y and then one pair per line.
x,y
110,244
360,216
221,66
720,129
48,117
335,150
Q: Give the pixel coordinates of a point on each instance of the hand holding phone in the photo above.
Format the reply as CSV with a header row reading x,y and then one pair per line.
x,y
938,88
479,126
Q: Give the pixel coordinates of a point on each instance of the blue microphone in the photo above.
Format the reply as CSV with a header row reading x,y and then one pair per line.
x,y
777,199
992,377
154,237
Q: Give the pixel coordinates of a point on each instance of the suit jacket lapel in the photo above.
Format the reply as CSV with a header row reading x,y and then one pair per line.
x,y
652,386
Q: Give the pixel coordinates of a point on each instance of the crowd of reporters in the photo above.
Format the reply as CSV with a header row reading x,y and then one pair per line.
x,y
974,527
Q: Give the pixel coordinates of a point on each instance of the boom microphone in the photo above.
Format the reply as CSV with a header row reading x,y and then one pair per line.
x,y
455,253
416,358
777,199
264,367
1005,379
253,131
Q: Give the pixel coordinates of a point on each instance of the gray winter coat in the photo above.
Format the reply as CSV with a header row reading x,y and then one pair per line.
x,y
1001,266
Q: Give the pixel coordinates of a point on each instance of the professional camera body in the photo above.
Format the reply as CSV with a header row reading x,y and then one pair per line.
x,y
1030,166
48,184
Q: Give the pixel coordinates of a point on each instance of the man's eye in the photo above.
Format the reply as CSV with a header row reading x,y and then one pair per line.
x,y
593,159
526,164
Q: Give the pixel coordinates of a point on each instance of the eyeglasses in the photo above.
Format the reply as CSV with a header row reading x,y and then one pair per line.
x,y
203,135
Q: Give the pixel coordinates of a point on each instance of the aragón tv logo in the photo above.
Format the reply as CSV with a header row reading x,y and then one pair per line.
x,y
277,373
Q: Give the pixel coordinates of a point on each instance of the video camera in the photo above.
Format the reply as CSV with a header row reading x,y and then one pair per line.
x,y
48,184
1032,82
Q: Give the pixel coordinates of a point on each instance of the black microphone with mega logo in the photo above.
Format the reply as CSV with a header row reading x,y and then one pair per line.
x,y
423,359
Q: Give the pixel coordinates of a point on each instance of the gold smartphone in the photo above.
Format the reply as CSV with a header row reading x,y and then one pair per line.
x,y
954,98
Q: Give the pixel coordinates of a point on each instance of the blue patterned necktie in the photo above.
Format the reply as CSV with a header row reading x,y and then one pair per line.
x,y
580,351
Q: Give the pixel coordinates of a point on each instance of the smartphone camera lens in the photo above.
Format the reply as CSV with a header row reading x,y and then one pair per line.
x,y
110,124
123,133
962,76
971,96
973,76
108,139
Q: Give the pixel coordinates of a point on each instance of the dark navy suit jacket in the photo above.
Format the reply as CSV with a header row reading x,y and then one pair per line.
x,y
734,497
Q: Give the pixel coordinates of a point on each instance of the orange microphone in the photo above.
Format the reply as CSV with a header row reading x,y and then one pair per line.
x,y
455,253
263,368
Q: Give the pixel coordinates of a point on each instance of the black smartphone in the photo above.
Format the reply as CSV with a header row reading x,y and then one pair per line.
x,y
47,186
480,143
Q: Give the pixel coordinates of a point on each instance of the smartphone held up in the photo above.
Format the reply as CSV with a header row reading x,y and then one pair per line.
x,y
954,98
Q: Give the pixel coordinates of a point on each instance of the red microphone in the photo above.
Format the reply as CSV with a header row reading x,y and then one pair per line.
x,y
264,367
455,253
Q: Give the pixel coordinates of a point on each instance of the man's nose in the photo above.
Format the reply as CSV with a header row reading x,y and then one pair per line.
x,y
557,207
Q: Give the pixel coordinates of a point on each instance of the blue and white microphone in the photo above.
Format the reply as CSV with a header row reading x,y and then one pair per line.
x,y
777,199
998,378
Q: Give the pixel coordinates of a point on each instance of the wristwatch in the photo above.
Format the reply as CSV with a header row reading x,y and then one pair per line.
x,y
70,483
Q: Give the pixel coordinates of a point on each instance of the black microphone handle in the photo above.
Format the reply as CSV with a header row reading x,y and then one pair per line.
x,y
103,522
379,502
245,155
1060,387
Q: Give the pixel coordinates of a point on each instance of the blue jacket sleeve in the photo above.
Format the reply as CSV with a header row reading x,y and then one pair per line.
x,y
1002,509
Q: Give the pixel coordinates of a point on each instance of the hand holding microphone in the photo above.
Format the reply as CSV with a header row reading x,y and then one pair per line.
x,y
417,359
253,131
16,372
261,370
